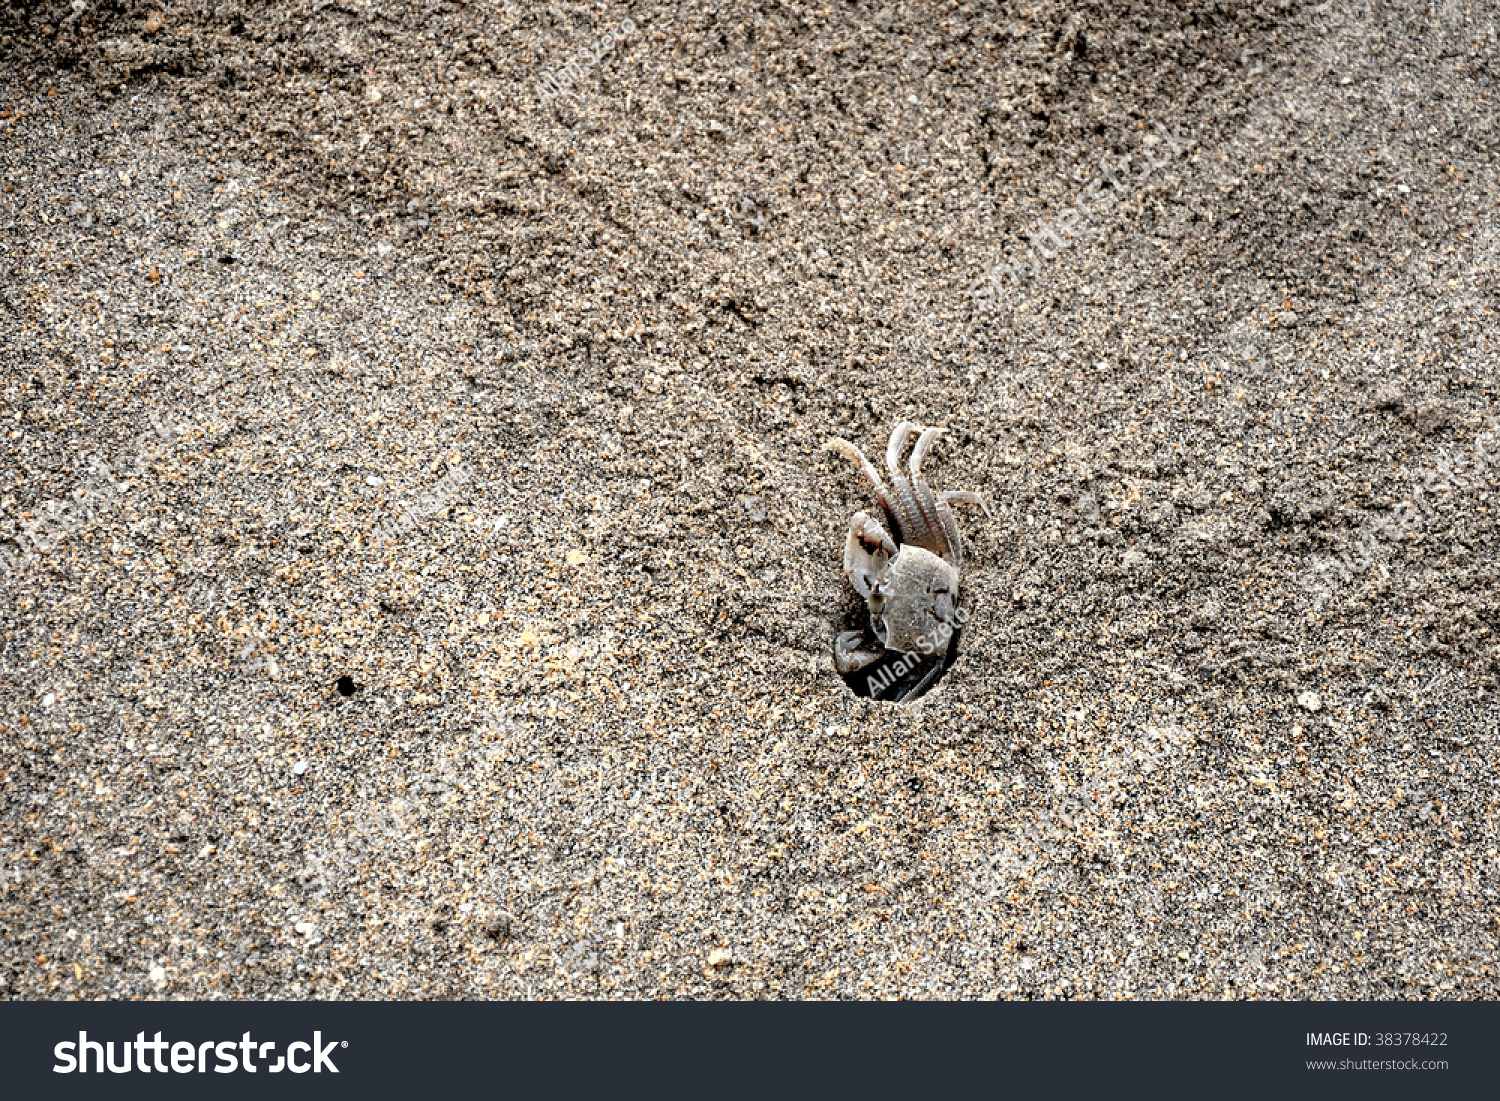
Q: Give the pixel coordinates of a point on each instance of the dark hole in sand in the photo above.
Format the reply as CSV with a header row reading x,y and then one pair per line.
x,y
895,677
346,686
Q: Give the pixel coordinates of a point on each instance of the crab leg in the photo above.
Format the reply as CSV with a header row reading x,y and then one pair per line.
x,y
938,520
849,451
953,551
921,685
914,525
899,435
913,512
924,445
890,507
965,497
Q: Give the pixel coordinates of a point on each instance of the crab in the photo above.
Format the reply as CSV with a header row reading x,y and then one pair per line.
x,y
908,576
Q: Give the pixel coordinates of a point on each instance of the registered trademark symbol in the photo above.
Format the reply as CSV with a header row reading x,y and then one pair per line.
x,y
345,1043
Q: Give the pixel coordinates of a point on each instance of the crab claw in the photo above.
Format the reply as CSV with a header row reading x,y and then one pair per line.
x,y
848,657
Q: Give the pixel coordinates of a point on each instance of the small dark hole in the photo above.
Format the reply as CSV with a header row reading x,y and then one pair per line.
x,y
226,259
895,677
898,678
346,686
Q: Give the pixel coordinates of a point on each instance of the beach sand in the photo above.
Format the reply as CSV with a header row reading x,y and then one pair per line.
x,y
284,268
